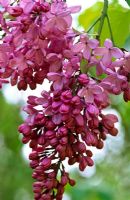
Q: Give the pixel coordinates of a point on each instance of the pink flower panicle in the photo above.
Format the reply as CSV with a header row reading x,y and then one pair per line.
x,y
39,42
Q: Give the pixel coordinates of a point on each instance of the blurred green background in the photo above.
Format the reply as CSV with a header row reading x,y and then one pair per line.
x,y
110,178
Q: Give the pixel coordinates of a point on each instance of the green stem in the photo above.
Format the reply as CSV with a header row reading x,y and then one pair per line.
x,y
93,24
110,29
103,16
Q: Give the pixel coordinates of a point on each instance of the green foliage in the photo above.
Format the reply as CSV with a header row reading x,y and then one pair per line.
x,y
15,175
119,19
128,2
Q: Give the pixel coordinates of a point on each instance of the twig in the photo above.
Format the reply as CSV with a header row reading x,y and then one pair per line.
x,y
103,16
110,29
93,24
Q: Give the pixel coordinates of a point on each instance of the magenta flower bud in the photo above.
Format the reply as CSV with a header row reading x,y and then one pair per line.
x,y
53,142
31,100
60,148
60,189
64,108
37,184
50,125
56,105
40,119
40,149
34,164
72,161
52,174
83,79
25,140
66,96
49,184
92,110
37,190
41,140
69,151
89,161
15,11
100,144
72,182
22,85
64,140
76,111
37,195
126,94
64,180
79,120
34,175
93,123
50,134
33,155
46,162
83,163
25,129
38,169
63,131
64,117
46,197
89,153
109,120
81,147
113,131
76,100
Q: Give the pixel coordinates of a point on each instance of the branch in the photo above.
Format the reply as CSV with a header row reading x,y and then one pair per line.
x,y
93,24
103,16
110,29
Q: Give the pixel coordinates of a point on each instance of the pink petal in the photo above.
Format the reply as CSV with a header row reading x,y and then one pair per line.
x,y
42,101
52,76
87,53
100,51
48,111
78,47
57,119
89,98
107,59
81,92
111,117
68,20
100,68
58,85
4,3
75,9
79,120
50,24
61,24
27,5
93,43
97,89
116,52
55,66
108,43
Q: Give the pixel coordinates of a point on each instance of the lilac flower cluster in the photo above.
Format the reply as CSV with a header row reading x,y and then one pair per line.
x,y
39,42
35,33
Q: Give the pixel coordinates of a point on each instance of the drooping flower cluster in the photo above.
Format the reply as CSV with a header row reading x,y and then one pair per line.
x,y
39,43
35,33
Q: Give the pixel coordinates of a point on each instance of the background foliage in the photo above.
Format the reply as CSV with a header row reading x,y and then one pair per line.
x,y
112,178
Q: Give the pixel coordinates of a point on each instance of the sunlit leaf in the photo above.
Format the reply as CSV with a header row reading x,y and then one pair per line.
x,y
119,19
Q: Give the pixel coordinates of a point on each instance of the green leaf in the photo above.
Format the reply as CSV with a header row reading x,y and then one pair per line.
x,y
83,66
89,16
119,19
128,2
